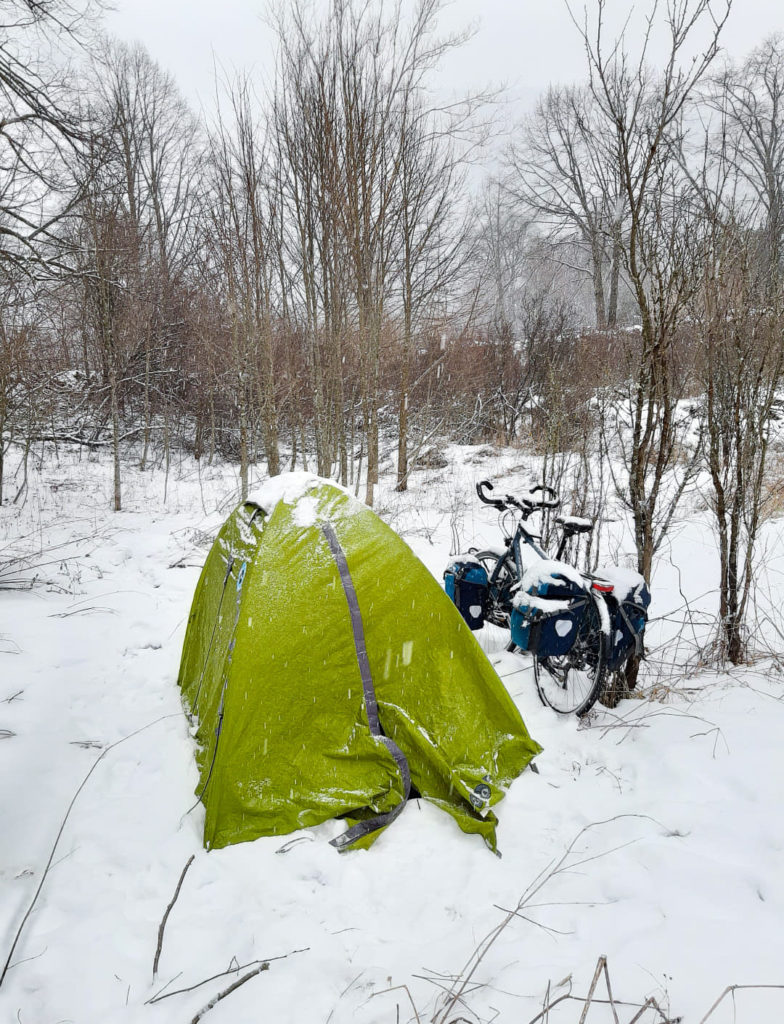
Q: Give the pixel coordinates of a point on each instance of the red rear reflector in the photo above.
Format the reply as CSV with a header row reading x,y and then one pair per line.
x,y
603,588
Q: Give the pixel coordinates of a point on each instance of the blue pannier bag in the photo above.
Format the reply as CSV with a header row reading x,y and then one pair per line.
x,y
546,616
465,582
629,605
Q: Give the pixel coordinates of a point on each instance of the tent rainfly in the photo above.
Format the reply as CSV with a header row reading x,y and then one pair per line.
x,y
328,675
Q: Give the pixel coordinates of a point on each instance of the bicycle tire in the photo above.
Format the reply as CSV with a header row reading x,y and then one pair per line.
x,y
571,684
499,599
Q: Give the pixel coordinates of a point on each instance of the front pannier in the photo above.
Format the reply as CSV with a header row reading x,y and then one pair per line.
x,y
465,581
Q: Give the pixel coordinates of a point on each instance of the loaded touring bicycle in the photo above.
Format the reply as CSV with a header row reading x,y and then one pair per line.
x,y
579,627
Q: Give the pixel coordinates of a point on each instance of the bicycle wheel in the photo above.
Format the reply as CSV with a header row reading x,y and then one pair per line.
x,y
499,595
572,682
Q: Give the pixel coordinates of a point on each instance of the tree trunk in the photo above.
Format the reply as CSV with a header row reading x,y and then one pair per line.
x,y
615,273
597,265
147,361
115,414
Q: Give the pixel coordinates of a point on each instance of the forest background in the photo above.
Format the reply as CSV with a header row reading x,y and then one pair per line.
x,y
339,268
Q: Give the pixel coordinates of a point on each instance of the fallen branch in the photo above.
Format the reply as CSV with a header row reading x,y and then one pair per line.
x,y
165,917
264,966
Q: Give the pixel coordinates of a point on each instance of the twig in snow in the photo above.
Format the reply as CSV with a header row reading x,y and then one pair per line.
x,y
651,1004
165,917
27,959
84,611
590,999
397,988
235,969
546,1003
346,989
733,989
159,993
264,966
563,865
60,831
545,1013
601,966
293,842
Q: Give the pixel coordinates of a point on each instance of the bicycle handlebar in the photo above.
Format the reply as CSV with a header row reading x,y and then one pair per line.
x,y
526,504
552,502
497,503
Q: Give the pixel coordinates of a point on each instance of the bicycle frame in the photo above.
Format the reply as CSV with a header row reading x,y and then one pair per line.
x,y
514,547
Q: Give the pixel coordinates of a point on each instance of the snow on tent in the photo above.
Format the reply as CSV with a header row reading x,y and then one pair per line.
x,y
329,675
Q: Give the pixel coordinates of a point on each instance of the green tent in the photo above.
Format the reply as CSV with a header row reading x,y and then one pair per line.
x,y
329,675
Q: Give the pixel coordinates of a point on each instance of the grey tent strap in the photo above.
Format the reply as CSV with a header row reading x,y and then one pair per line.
x,y
368,825
371,705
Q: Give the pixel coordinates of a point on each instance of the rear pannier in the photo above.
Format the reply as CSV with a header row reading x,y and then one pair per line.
x,y
628,613
465,581
547,612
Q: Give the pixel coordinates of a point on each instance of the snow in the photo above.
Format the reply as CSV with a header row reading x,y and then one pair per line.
x,y
467,558
578,521
287,487
542,571
292,489
549,605
305,511
675,796
624,581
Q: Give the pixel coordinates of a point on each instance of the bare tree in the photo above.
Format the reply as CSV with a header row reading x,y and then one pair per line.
x,y
14,347
557,172
739,314
39,126
641,114
749,101
432,227
315,274
243,214
155,145
368,216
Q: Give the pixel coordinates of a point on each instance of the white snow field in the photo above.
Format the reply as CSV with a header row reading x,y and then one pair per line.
x,y
674,801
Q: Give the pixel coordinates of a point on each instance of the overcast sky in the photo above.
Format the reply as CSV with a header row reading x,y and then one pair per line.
x,y
523,44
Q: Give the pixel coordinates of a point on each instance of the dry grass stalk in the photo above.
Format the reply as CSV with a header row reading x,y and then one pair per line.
x,y
7,966
460,987
398,988
590,999
732,989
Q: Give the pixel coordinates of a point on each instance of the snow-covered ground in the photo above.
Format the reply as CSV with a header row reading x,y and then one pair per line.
x,y
673,802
